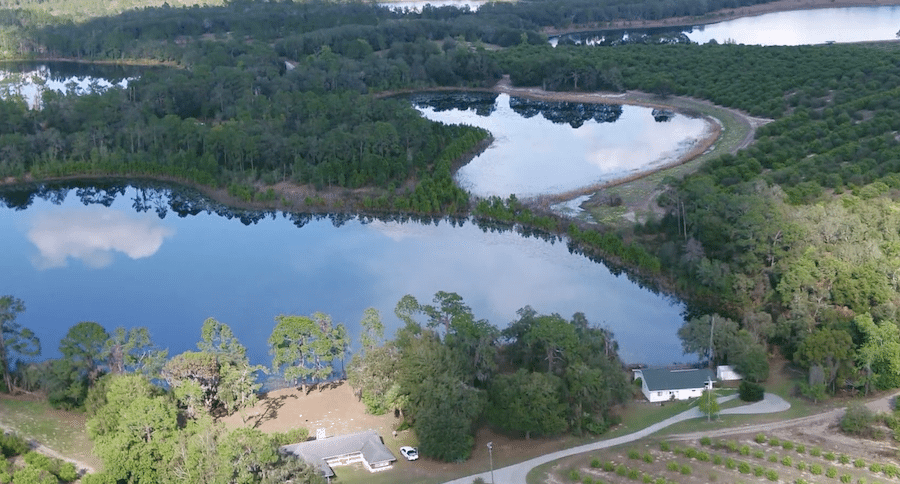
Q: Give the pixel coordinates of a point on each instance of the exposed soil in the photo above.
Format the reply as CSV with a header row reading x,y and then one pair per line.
x,y
337,410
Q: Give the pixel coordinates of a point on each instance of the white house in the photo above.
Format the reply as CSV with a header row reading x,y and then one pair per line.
x,y
660,385
727,373
364,447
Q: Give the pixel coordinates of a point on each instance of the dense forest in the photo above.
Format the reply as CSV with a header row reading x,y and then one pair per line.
x,y
152,417
791,246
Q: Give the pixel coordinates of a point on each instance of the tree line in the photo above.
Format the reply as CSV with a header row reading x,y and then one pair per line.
x,y
152,417
783,237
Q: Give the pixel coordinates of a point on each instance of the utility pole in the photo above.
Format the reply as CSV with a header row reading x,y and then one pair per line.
x,y
490,446
712,330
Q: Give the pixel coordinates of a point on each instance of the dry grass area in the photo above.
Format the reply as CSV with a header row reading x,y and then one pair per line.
x,y
60,433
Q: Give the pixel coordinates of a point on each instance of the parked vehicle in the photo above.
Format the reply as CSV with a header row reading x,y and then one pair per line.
x,y
411,453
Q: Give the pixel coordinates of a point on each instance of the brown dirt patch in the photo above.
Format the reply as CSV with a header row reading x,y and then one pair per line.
x,y
333,408
336,409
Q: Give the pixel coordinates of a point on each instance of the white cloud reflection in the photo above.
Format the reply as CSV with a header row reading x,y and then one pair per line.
x,y
92,235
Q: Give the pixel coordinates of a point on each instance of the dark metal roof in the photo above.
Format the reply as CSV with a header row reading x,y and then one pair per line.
x,y
663,379
315,452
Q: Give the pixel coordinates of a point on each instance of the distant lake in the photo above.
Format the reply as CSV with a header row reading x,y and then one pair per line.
x,y
418,5
167,258
543,147
798,27
30,80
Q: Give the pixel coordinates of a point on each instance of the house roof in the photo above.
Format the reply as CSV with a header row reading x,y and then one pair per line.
x,y
316,452
663,379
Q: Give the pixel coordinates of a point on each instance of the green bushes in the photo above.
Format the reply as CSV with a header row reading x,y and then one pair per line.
x,y
12,445
857,420
751,392
760,438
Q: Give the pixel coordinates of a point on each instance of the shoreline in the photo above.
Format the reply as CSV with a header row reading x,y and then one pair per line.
x,y
723,15
291,197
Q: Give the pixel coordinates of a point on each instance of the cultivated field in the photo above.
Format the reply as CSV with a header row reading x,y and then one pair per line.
x,y
810,452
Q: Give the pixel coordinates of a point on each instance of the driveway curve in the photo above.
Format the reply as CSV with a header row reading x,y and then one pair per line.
x,y
516,473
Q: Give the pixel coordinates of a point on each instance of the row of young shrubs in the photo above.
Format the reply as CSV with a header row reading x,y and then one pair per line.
x,y
39,468
888,470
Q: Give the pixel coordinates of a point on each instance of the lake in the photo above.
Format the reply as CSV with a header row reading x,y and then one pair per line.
x,y
167,259
543,147
29,80
798,27
417,6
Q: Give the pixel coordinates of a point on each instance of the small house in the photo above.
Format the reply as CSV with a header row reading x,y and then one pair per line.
x,y
727,373
660,385
364,447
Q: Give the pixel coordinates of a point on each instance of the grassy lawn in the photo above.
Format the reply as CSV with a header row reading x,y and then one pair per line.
x,y
59,430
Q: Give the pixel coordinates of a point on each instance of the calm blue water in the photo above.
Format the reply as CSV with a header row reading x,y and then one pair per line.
x,y
817,26
799,27
555,147
73,262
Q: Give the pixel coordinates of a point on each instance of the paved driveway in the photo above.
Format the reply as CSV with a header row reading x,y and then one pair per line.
x,y
515,474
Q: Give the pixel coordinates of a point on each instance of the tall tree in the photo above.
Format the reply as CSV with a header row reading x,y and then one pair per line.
x,y
528,402
194,377
237,386
132,350
291,345
373,371
372,332
826,349
84,346
14,339
879,354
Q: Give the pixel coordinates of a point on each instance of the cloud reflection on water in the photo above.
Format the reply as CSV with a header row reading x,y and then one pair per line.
x,y
92,235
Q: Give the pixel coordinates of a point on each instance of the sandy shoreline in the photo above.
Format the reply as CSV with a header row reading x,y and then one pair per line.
x,y
723,15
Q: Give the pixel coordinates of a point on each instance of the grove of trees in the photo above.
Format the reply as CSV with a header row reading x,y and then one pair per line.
x,y
791,245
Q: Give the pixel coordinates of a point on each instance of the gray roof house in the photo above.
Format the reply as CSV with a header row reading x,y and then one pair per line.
x,y
660,384
366,447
